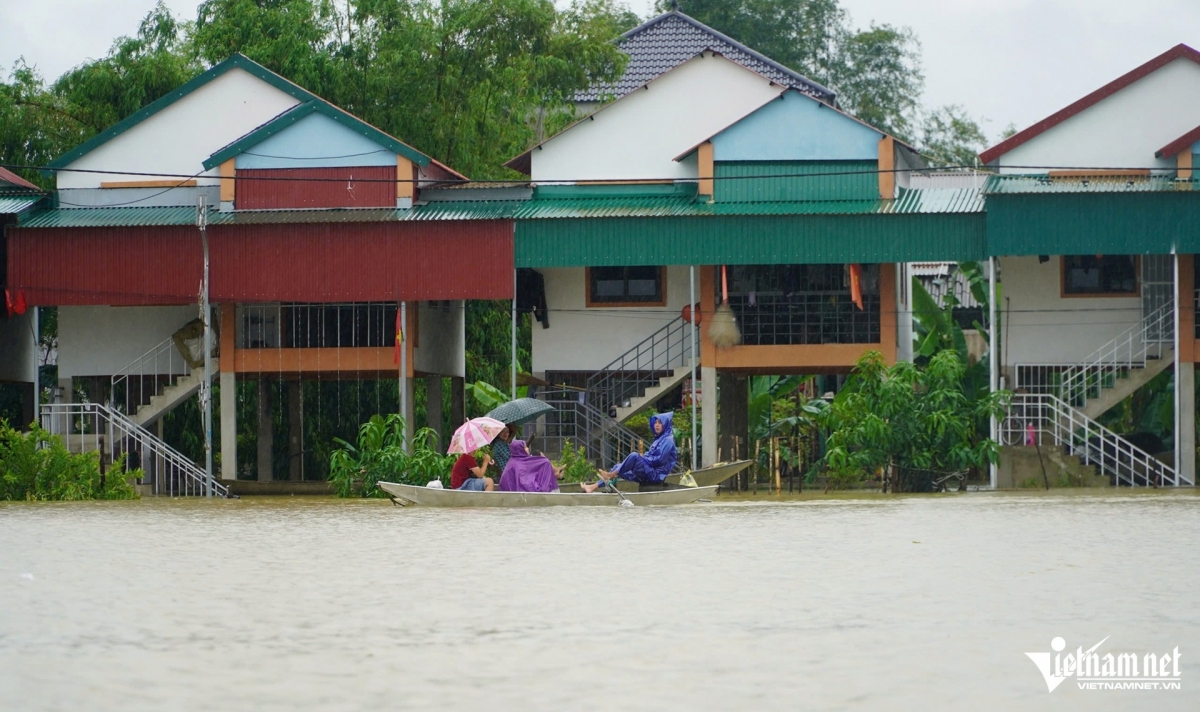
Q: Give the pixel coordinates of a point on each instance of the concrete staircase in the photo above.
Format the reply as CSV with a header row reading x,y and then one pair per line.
x,y
1126,383
162,403
652,394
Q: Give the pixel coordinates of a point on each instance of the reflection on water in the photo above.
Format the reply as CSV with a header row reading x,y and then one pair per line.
x,y
878,603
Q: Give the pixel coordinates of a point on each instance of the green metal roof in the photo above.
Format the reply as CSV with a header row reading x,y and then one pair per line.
x,y
290,117
110,217
1094,223
237,61
1042,184
761,239
13,204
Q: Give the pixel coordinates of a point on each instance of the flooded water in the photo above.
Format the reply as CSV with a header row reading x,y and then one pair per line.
x,y
878,603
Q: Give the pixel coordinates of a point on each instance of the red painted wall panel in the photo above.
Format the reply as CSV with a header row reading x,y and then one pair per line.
x,y
343,262
327,188
120,266
335,262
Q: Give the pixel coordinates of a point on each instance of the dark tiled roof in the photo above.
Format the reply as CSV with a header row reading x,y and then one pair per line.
x,y
671,39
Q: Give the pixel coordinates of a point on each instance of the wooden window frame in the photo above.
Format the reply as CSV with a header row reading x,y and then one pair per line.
x,y
1135,294
587,290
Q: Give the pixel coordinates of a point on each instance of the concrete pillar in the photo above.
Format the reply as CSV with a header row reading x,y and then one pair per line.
x,y
266,432
295,431
458,402
708,415
734,428
407,409
228,425
1185,437
433,408
67,386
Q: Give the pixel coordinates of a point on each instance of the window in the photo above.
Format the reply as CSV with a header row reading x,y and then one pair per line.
x,y
626,286
1099,275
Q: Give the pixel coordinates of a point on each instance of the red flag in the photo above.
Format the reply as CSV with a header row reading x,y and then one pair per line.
x,y
8,302
399,339
19,306
856,285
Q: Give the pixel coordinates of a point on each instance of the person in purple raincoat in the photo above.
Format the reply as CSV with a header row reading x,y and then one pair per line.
x,y
653,467
527,473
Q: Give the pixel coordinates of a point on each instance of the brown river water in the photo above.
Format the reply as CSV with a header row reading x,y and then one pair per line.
x,y
879,603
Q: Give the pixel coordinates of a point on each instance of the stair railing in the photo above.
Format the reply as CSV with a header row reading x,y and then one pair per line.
x,y
1044,419
94,426
1128,350
641,367
162,364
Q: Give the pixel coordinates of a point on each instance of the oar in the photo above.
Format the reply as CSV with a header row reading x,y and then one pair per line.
x,y
611,484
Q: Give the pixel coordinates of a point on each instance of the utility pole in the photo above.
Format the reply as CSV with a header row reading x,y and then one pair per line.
x,y
206,317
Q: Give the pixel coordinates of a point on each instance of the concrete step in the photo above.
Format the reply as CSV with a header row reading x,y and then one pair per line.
x,y
653,393
174,394
1021,465
1124,387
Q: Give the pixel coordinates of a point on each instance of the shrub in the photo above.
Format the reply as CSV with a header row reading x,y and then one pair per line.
x,y
355,470
38,466
576,466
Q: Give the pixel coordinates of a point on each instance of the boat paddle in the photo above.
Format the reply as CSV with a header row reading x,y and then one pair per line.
x,y
625,502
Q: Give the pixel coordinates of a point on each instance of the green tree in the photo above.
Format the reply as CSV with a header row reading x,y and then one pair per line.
x,y
950,137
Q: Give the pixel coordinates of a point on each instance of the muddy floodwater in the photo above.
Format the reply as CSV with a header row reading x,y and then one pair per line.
x,y
879,603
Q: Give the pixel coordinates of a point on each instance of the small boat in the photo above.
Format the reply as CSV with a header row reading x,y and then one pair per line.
x,y
432,497
707,477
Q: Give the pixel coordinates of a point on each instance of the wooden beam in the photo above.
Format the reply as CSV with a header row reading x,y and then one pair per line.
x,y
887,164
704,156
406,175
1183,163
887,312
227,336
1187,308
321,361
228,184
168,183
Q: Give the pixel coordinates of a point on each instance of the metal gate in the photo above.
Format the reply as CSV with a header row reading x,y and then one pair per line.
x,y
1158,290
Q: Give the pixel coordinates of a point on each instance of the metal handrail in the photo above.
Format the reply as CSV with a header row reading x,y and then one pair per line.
x,y
1128,350
1041,416
161,360
641,367
168,470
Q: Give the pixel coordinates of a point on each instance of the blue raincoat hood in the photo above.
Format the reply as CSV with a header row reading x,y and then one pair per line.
x,y
665,419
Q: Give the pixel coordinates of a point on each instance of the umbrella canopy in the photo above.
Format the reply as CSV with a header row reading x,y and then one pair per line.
x,y
474,434
521,410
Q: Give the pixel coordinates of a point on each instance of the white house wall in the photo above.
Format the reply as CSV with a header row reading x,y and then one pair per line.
x,y
639,136
177,139
441,348
1122,130
18,349
583,339
1041,327
100,341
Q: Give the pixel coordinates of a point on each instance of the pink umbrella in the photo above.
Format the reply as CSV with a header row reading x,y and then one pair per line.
x,y
474,434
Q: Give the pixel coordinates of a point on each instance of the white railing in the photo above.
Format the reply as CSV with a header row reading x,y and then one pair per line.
x,y
1128,350
1043,419
92,426
163,365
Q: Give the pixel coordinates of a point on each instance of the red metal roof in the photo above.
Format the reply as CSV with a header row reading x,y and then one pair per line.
x,y
7,176
1180,51
1179,145
286,188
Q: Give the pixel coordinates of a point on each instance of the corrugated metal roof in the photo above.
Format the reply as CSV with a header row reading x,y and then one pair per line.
x,y
110,217
1013,184
929,202
665,42
13,204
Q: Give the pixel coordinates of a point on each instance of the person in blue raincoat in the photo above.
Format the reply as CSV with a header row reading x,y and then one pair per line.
x,y
653,467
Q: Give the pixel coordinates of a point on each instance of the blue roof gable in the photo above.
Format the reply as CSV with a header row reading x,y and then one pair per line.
x,y
797,128
316,141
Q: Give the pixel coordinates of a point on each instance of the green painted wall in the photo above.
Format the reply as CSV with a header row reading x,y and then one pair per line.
x,y
739,181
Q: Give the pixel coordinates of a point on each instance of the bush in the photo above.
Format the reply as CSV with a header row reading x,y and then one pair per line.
x,y
576,466
381,455
38,466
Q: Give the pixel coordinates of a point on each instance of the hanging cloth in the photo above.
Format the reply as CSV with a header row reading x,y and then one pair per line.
x,y
531,295
856,285
399,338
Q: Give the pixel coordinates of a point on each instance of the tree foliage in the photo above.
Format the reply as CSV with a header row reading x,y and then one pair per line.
x,y
907,416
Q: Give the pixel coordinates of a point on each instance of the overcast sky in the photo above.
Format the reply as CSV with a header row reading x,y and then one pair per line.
x,y
1006,61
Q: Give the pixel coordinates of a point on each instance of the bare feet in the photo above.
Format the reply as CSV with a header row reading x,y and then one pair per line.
x,y
589,487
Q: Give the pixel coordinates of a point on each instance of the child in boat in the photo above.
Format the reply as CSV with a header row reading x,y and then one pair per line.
x,y
468,474
651,468
528,473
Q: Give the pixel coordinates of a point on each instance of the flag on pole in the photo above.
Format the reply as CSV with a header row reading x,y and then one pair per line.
x,y
20,305
399,339
856,285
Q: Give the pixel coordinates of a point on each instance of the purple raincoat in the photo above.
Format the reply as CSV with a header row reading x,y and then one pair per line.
x,y
526,473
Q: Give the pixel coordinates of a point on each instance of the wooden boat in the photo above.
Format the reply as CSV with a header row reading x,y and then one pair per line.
x,y
426,497
707,477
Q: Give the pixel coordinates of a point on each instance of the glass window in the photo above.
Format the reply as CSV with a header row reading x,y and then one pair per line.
x,y
625,285
1100,274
